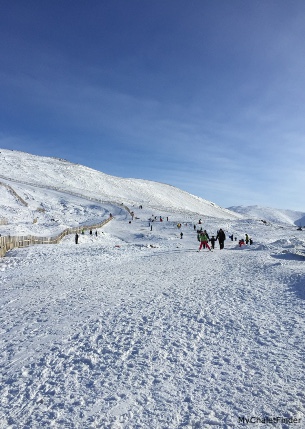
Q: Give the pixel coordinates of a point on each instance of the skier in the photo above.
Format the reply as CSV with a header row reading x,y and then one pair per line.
x,y
76,238
204,242
247,238
221,236
181,234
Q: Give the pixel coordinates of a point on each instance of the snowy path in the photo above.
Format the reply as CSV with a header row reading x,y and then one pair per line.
x,y
98,336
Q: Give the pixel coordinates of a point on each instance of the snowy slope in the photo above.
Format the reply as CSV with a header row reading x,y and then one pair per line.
x,y
270,214
135,329
132,327
51,210
63,175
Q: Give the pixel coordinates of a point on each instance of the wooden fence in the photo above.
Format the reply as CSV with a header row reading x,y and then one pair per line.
x,y
14,193
8,243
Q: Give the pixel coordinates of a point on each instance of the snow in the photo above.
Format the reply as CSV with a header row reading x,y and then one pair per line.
x,y
133,328
271,215
65,176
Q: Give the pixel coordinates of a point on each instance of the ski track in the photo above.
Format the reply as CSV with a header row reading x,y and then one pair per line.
x,y
139,337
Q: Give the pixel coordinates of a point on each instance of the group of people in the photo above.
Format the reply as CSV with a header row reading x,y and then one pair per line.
x,y
203,238
83,232
246,241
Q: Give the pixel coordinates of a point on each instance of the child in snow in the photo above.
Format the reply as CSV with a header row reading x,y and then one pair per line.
x,y
205,232
203,242
241,242
212,240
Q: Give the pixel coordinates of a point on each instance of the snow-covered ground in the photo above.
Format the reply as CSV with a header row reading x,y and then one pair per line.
x,y
133,328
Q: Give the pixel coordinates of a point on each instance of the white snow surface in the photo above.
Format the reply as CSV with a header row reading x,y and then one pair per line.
x,y
133,328
65,176
270,214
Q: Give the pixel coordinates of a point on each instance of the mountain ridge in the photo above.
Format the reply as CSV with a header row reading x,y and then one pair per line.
x,y
68,177
270,214
62,174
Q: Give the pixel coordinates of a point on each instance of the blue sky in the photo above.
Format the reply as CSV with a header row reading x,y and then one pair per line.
x,y
208,96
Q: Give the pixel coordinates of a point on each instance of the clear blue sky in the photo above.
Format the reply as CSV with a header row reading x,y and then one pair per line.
x,y
205,95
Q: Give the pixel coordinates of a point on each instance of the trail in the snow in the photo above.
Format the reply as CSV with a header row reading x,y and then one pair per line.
x,y
119,338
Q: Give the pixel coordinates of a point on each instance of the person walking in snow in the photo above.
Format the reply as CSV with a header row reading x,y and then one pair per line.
x,y
205,232
181,234
212,240
76,238
247,238
221,236
203,242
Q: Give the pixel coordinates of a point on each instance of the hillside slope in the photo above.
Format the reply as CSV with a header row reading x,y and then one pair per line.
x,y
66,176
270,214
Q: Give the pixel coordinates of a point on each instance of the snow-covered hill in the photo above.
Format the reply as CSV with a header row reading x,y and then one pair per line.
x,y
66,176
270,214
132,327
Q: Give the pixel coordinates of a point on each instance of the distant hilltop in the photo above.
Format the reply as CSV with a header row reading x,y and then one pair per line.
x,y
271,215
